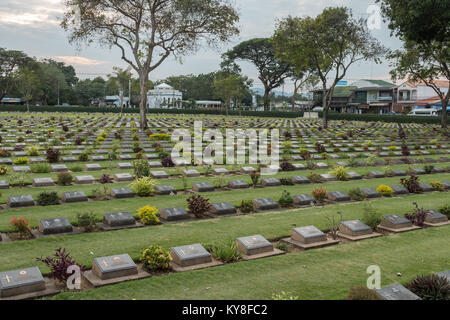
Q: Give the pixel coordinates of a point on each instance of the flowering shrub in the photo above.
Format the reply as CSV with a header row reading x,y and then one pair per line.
x,y
198,205
3,170
155,258
64,178
143,187
5,153
320,194
412,184
418,216
148,215
59,263
21,160
105,178
21,226
438,186
32,151
385,190
52,155
160,136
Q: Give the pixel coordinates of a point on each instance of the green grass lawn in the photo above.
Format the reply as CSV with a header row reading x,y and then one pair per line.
x,y
316,274
272,225
36,213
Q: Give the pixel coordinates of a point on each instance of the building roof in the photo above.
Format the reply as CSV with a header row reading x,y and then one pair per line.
x,y
432,100
381,83
343,92
366,83
439,83
163,86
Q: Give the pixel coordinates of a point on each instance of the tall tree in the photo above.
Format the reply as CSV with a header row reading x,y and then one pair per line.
x,y
10,63
302,80
426,51
260,52
28,82
418,20
424,63
329,44
231,87
147,32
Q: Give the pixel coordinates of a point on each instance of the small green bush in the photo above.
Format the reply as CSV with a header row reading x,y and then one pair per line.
x,y
144,186
64,178
356,194
286,199
445,210
21,160
40,168
141,168
430,287
246,206
156,258
371,216
87,221
48,198
226,251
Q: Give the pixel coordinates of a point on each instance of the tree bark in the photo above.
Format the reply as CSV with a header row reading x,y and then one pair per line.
x,y
325,108
143,78
444,103
266,99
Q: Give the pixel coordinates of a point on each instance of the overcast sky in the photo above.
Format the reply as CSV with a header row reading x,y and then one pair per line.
x,y
33,27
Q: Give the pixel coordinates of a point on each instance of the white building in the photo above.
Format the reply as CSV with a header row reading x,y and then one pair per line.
x,y
409,93
164,96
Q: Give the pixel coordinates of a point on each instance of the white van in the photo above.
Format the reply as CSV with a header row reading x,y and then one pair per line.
x,y
423,112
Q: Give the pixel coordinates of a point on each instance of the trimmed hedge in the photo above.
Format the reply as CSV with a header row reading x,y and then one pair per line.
x,y
268,114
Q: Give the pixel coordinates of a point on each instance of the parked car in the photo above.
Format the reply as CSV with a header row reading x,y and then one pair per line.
x,y
423,112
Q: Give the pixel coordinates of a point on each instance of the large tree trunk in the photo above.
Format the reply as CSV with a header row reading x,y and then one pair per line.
x,y
325,108
444,111
143,79
266,99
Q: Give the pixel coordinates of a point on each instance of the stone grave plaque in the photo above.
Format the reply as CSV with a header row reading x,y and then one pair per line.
x,y
55,226
68,159
375,174
395,221
5,161
59,168
190,255
121,193
172,214
398,172
74,196
118,219
342,164
150,156
270,182
114,267
222,208
20,201
445,183
338,196
396,292
247,170
125,157
98,158
180,162
444,274
438,170
354,176
155,164
371,193
202,187
321,165
254,245
93,167
124,165
165,190
4,184
84,179
300,180
25,169
327,177
43,182
238,184
399,190
434,216
303,199
191,173
16,282
159,174
354,228
307,235
298,166
425,187
265,204
219,171
123,177
417,171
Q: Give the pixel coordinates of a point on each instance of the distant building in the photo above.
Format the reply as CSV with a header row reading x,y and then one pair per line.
x,y
362,96
410,94
12,101
115,101
164,96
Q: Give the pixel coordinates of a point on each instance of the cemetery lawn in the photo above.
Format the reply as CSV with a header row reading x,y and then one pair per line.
x,y
272,225
316,274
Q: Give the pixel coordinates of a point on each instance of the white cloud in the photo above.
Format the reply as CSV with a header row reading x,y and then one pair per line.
x,y
75,60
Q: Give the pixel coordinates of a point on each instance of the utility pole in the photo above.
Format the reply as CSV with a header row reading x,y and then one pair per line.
x,y
129,92
58,92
